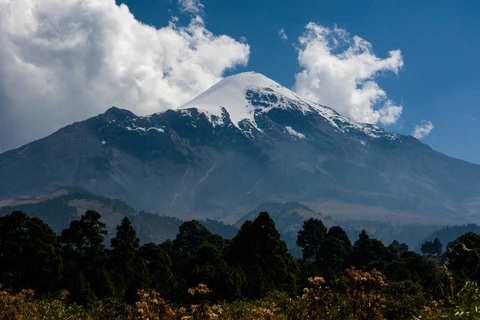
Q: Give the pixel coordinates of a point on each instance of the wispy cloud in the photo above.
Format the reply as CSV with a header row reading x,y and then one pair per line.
x,y
423,129
473,118
282,34
73,59
341,71
194,7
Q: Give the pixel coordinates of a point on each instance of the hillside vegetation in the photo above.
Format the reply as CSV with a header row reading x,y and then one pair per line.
x,y
200,275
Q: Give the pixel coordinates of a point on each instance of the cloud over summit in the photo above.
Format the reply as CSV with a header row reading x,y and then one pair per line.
x,y
70,59
340,71
423,129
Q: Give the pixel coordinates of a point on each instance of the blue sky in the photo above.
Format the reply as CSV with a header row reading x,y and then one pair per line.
x,y
439,41
69,60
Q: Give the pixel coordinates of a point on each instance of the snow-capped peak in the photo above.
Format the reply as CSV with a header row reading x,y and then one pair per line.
x,y
230,94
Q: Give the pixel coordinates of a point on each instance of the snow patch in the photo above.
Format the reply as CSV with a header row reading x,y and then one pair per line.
x,y
295,133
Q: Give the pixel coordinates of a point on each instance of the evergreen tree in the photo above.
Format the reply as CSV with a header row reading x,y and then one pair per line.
x,y
437,247
427,248
334,251
258,250
412,266
29,254
368,253
338,233
122,257
86,275
191,235
153,270
311,236
208,266
400,247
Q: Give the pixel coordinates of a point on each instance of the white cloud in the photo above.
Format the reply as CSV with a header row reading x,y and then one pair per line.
x,y
282,34
423,129
340,71
194,7
64,60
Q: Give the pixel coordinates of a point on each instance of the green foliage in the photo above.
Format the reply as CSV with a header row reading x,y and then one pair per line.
x,y
191,235
85,236
400,247
208,266
404,300
30,256
86,276
153,269
412,266
432,247
334,251
449,234
122,258
311,236
367,252
199,268
463,257
263,256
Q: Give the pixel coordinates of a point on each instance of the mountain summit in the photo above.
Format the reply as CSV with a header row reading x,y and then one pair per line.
x,y
245,141
231,94
244,95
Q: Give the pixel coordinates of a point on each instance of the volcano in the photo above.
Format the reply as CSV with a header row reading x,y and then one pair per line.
x,y
245,141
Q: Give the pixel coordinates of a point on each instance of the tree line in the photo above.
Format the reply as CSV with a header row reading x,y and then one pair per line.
x,y
254,263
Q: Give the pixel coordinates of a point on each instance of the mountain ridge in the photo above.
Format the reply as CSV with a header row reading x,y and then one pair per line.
x,y
194,162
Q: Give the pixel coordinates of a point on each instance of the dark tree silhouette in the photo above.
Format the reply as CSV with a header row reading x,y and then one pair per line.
x,y
30,256
258,250
122,258
400,247
86,275
311,236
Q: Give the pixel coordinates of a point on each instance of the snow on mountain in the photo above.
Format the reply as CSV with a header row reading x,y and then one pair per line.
x,y
295,133
231,95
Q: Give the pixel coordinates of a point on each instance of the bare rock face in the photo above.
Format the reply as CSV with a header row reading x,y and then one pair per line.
x,y
245,141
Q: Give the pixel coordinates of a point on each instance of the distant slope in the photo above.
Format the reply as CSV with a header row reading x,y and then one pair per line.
x,y
69,203
449,234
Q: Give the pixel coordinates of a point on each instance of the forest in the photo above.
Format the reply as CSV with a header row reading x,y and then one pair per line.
x,y
79,274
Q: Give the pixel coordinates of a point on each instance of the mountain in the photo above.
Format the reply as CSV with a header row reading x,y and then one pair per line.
x,y
246,141
66,204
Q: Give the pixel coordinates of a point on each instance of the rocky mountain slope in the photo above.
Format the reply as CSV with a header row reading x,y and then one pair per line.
x,y
245,141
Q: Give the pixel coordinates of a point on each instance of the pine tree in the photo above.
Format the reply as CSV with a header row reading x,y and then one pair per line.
x,y
258,250
208,266
311,236
334,251
86,275
122,257
368,252
30,256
